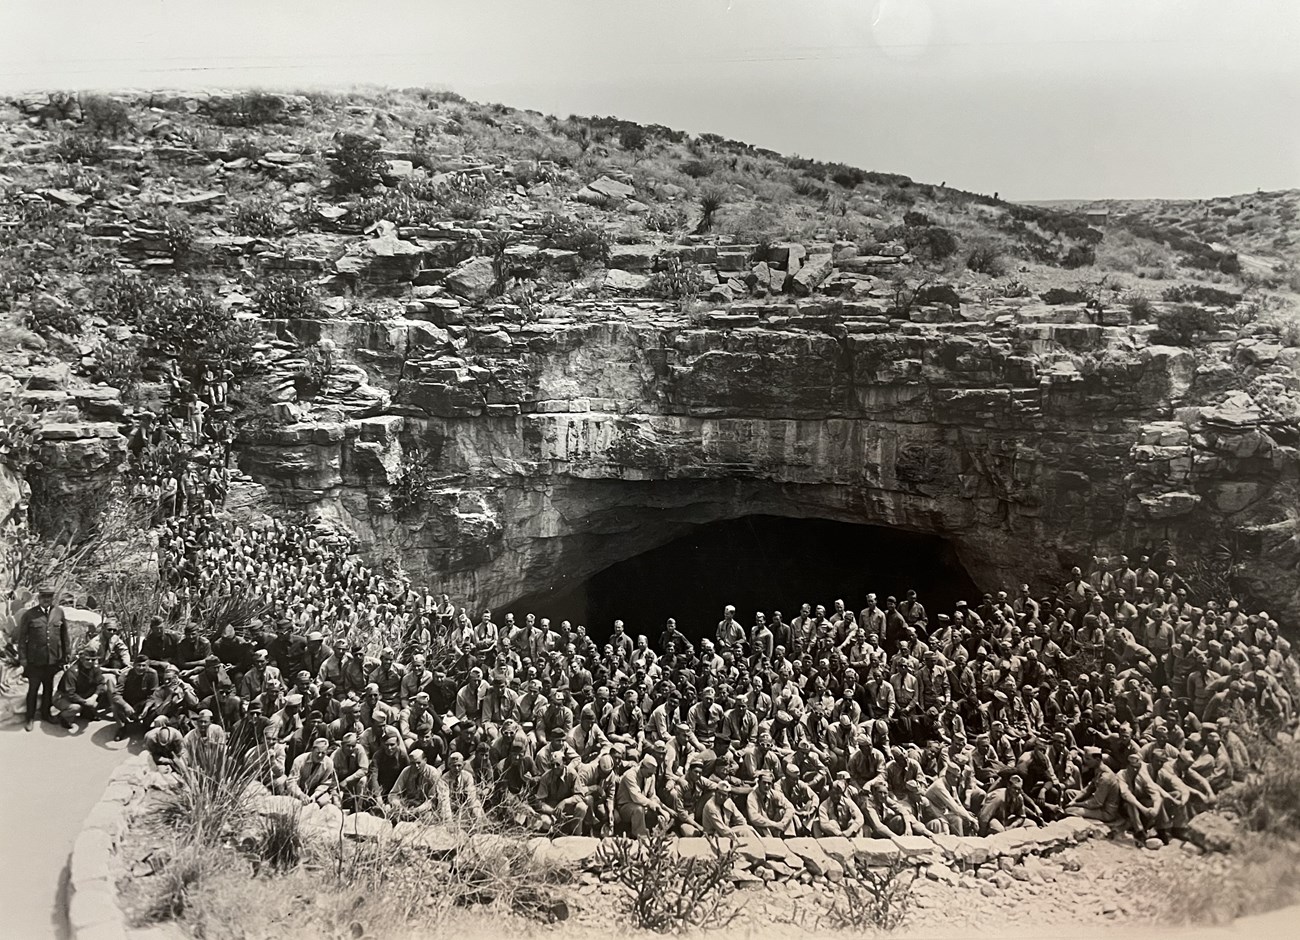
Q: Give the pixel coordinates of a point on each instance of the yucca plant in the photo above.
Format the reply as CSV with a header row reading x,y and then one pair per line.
x,y
710,203
281,840
212,795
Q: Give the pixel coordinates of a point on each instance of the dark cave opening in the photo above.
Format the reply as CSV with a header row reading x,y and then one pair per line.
x,y
756,563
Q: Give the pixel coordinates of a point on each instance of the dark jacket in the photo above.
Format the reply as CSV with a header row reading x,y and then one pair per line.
x,y
42,637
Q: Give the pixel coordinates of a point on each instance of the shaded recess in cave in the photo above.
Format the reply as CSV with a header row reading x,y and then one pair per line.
x,y
756,562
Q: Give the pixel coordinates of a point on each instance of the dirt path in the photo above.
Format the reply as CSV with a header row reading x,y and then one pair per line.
x,y
51,781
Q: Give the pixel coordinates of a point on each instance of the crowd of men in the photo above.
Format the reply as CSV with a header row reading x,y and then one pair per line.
x,y
1118,697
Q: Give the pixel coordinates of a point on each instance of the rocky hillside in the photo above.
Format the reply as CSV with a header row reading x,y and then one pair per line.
x,y
473,335
1260,229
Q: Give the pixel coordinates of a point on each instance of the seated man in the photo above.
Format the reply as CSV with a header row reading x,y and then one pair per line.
x,y
130,694
419,791
1009,807
352,767
769,812
721,818
802,798
204,736
1105,798
312,778
462,790
163,743
638,807
81,691
837,815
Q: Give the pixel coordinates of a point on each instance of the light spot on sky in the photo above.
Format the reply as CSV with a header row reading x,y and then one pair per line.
x,y
902,28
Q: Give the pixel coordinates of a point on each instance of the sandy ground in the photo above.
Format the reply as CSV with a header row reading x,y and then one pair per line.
x,y
51,781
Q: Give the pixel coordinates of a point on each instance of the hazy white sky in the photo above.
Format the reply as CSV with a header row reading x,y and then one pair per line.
x,y
1036,99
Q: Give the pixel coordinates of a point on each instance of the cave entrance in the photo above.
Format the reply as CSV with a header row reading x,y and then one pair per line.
x,y
756,562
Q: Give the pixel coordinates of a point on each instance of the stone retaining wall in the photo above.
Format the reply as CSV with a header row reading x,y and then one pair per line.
x,y
93,910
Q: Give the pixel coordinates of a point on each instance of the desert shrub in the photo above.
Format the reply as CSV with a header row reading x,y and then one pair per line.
x,y
806,186
1062,295
846,176
1079,256
49,318
172,888
1290,335
927,242
697,169
591,242
356,163
633,138
194,327
259,218
1138,306
898,196
1181,325
246,148
396,207
664,219
280,840
664,893
118,365
675,279
248,110
284,298
985,259
1015,288
415,484
124,298
918,219
18,437
1270,801
874,898
1208,259
80,179
104,117
211,797
937,294
60,106
176,230
1199,294
81,148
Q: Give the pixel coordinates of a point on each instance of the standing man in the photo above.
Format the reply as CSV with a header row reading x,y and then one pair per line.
x,y
43,648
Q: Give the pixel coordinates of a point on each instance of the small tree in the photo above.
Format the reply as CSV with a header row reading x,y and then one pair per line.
x,y
666,893
356,163
874,898
104,117
633,139
1184,324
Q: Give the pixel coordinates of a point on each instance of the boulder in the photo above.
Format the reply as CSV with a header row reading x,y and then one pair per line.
x,y
875,851
817,862
472,279
636,258
270,805
914,846
363,827
626,282
788,256
810,276
694,847
573,850
1212,832
838,848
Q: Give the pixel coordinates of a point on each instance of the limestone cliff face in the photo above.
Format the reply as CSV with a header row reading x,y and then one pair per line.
x,y
544,451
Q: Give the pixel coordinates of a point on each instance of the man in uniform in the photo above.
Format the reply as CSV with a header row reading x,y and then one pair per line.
x,y
43,648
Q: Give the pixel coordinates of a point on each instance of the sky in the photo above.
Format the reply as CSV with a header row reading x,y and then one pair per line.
x,y
1033,99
